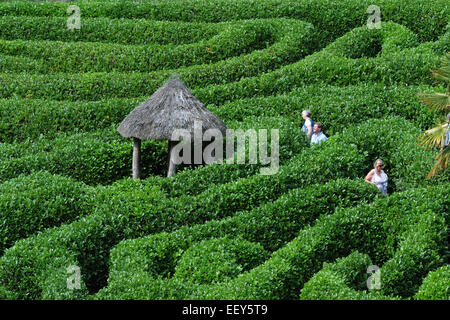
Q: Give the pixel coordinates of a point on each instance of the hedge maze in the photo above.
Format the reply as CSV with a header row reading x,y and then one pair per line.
x,y
310,231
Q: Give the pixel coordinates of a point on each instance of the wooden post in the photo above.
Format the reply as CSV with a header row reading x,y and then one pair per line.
x,y
172,165
136,158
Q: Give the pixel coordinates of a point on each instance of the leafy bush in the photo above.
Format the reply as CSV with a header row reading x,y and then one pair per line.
x,y
436,285
123,215
341,280
330,66
29,204
336,107
427,19
272,225
295,41
217,259
88,157
120,31
370,228
362,228
56,56
394,140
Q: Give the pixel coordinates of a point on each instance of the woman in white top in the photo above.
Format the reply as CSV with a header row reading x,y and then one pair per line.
x,y
378,177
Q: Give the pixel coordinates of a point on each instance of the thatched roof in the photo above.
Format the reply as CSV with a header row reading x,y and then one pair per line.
x,y
171,107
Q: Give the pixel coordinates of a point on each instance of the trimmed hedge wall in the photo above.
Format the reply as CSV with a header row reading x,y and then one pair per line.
x,y
398,63
436,285
104,156
120,31
342,280
296,41
121,216
88,157
393,66
33,203
373,229
271,225
336,107
427,19
395,140
231,257
72,57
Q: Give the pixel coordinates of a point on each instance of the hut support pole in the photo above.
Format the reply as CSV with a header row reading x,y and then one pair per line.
x,y
136,158
172,165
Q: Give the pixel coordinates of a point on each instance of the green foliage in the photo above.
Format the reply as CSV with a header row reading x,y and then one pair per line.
x,y
221,231
123,215
120,31
295,41
342,280
94,158
215,260
29,204
72,57
436,285
272,225
427,19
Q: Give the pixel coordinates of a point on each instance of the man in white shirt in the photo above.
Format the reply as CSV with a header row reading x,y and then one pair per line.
x,y
318,135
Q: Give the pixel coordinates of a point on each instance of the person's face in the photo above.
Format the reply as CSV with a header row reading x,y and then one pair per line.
x,y
378,167
316,129
304,116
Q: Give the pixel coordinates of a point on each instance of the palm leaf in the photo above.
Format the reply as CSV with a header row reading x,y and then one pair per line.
x,y
441,163
443,73
440,101
433,136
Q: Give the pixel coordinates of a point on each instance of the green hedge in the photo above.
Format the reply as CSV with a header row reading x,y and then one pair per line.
x,y
22,119
88,157
336,107
102,157
398,63
72,57
271,225
393,66
395,140
427,19
296,40
120,31
436,285
122,215
29,204
342,280
370,228
421,250
231,257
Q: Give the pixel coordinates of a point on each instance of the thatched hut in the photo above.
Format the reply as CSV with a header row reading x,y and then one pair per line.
x,y
171,107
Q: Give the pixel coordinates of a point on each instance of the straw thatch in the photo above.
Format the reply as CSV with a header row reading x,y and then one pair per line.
x,y
171,107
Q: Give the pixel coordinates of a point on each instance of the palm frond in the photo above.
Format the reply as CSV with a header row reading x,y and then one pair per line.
x,y
442,74
441,163
437,100
433,136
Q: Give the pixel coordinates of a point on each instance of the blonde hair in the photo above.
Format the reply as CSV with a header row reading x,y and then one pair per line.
x,y
378,161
